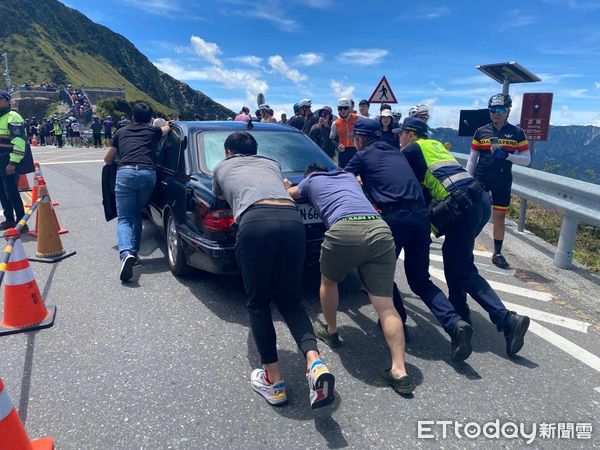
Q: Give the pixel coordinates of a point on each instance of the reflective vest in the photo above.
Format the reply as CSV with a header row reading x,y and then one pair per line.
x,y
10,144
345,129
444,174
57,129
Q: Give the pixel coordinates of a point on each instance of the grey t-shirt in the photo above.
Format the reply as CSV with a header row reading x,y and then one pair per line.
x,y
244,180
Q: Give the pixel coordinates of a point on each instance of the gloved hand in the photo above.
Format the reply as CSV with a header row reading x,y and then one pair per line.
x,y
500,153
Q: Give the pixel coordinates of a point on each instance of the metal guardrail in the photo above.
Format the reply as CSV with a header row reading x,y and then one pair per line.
x,y
576,200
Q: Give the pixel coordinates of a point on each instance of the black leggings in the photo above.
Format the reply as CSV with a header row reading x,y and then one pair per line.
x,y
10,198
270,248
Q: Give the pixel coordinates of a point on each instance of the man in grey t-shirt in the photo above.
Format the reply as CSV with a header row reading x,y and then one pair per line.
x,y
270,247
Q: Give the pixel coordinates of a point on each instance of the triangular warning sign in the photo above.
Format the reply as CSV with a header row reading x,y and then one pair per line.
x,y
383,93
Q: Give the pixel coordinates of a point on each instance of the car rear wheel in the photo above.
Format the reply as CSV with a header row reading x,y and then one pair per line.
x,y
175,255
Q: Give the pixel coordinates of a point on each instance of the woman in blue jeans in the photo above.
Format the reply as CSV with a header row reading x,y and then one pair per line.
x,y
135,147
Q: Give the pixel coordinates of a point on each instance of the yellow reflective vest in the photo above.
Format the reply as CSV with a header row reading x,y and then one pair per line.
x,y
12,144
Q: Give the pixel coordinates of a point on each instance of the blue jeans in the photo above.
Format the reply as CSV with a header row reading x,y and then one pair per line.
x,y
132,191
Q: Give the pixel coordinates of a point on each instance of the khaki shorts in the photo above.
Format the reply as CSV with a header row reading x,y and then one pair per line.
x,y
364,245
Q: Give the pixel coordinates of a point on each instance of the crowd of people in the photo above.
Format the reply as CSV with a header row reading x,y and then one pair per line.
x,y
394,186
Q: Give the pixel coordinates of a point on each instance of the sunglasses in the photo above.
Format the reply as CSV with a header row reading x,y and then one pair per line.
x,y
343,108
498,110
324,114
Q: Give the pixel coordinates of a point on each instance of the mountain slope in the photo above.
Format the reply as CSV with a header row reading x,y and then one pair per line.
x,y
47,41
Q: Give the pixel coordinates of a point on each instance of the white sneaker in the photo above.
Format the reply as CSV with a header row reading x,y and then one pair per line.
x,y
320,384
274,394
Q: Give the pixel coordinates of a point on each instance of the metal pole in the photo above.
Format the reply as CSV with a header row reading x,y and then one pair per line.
x,y
522,214
531,153
505,87
563,258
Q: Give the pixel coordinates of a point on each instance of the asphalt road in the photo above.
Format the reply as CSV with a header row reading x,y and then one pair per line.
x,y
164,362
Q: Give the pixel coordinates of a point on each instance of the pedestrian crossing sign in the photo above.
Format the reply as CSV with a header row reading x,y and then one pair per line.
x,y
383,93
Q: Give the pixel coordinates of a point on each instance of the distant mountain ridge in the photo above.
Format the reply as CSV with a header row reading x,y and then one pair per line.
x,y
572,151
47,41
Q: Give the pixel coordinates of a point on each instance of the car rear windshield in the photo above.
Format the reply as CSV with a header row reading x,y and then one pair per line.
x,y
293,151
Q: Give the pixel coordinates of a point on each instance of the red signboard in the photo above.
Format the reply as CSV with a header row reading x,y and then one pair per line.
x,y
535,115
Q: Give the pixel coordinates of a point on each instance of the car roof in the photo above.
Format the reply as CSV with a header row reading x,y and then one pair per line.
x,y
231,125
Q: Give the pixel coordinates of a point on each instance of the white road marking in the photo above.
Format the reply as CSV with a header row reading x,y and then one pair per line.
x,y
71,162
502,287
565,345
597,389
482,253
554,319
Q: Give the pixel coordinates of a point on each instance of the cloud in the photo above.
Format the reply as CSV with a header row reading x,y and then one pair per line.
x,y
268,10
517,18
309,59
597,84
340,90
362,57
158,7
207,50
577,5
317,4
426,12
250,60
279,66
231,79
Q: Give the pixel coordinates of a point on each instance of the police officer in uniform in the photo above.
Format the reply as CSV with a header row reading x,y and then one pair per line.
x,y
12,151
459,209
390,183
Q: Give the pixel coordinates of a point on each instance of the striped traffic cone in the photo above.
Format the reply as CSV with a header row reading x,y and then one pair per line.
x,y
24,308
42,188
12,433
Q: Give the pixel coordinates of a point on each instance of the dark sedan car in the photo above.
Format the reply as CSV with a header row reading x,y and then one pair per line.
x,y
197,225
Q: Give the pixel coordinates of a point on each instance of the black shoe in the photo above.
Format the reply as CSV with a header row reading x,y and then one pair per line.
x,y
332,340
404,328
500,261
403,385
7,225
515,327
461,341
127,268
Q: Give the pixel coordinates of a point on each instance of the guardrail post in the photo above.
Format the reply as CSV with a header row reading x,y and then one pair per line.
x,y
522,215
563,257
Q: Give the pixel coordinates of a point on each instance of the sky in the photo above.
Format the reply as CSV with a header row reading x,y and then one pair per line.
x,y
326,49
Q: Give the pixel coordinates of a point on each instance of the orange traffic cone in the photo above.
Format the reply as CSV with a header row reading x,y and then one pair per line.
x,y
23,183
14,436
59,229
24,308
49,246
34,191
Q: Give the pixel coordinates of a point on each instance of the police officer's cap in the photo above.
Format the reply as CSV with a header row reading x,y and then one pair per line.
x,y
418,126
367,127
5,95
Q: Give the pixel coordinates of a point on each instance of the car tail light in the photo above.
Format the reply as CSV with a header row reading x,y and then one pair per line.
x,y
218,221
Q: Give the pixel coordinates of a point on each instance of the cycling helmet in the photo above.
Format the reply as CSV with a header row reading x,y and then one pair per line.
x,y
396,115
418,110
264,107
500,100
344,103
306,102
296,108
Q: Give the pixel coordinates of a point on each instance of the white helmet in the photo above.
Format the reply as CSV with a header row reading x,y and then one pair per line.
x,y
418,110
344,103
305,102
264,107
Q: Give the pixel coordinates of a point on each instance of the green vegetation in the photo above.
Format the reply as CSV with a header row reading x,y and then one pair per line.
x,y
545,223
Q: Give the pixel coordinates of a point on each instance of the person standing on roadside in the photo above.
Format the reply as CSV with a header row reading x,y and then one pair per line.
x,y
13,144
321,131
108,126
244,115
266,114
270,249
96,132
342,132
58,132
363,109
305,119
136,175
356,238
494,149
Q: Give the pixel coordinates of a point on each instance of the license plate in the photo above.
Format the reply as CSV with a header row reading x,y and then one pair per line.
x,y
309,214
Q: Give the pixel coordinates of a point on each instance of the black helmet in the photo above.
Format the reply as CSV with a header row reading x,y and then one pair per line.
x,y
500,100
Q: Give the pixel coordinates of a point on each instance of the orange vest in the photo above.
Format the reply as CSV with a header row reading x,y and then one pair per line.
x,y
345,129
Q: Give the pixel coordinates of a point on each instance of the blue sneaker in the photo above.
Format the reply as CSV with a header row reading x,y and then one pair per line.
x,y
274,394
320,383
127,263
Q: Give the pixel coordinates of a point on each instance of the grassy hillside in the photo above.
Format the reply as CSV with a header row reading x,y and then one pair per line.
x,y
49,42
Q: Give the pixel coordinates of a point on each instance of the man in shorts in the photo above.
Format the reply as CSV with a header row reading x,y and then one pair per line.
x,y
494,149
356,238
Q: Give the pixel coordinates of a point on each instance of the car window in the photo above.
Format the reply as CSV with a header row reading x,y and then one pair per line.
x,y
169,152
293,151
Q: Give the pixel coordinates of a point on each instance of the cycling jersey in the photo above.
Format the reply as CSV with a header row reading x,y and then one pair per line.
x,y
511,138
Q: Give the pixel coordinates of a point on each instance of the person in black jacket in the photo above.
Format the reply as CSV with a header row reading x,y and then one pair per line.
x,y
320,132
